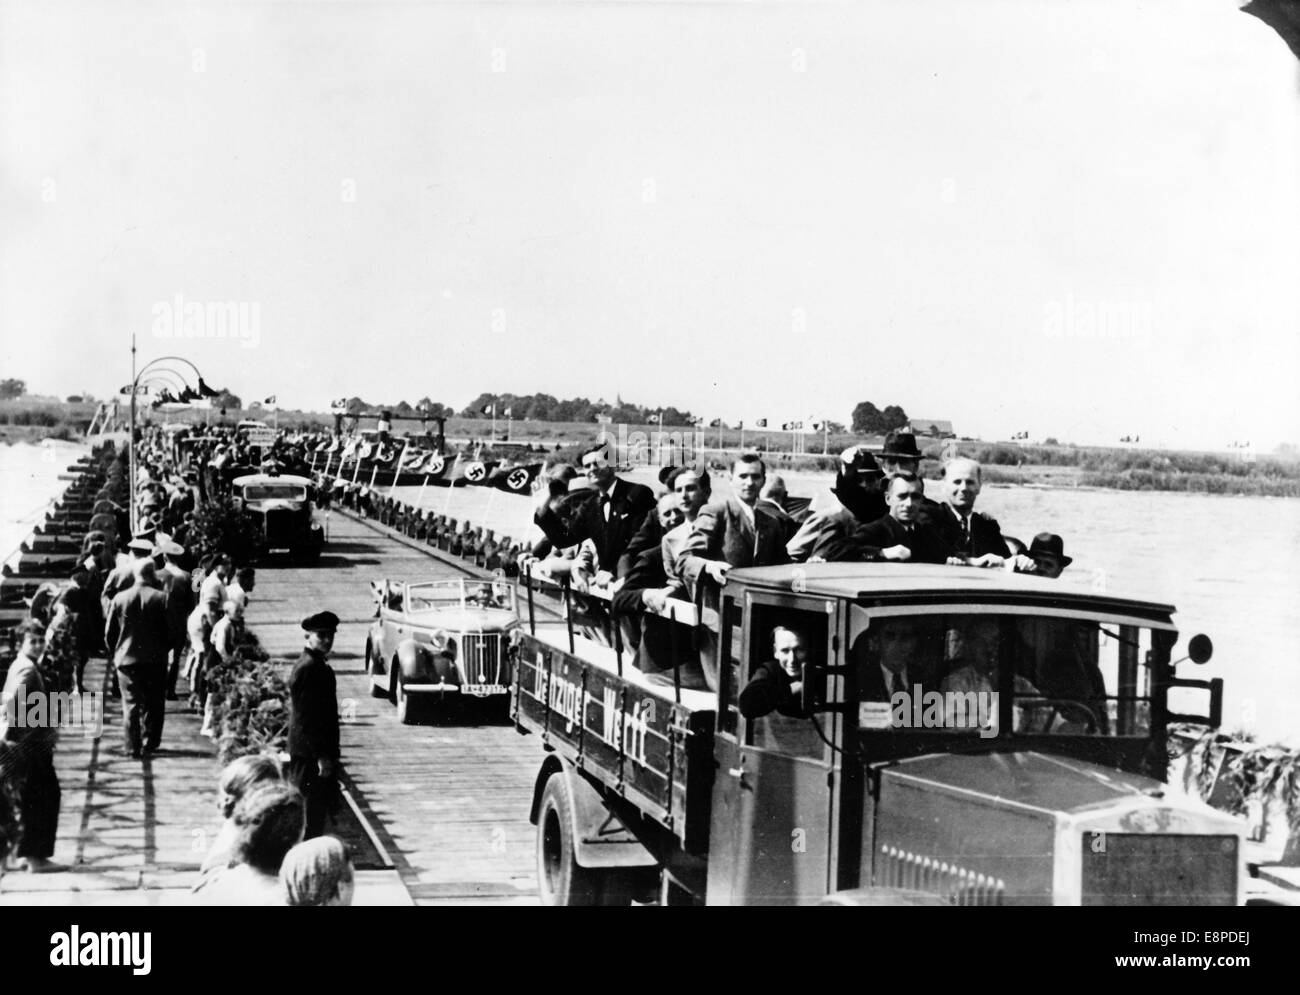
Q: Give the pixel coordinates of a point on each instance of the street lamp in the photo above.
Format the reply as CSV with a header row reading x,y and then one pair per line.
x,y
135,390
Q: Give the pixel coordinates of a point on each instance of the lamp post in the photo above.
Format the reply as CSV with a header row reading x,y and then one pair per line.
x,y
135,390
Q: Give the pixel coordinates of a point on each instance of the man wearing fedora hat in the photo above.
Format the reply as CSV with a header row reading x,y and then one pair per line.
x,y
314,722
855,499
899,453
1048,552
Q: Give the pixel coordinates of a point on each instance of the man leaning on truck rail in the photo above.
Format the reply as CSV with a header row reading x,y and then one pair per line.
x,y
733,532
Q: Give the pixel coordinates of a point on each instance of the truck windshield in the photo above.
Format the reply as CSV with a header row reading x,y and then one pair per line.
x,y
1064,676
277,492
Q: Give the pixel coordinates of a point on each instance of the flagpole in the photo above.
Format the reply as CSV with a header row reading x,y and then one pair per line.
x,y
451,483
398,472
374,472
742,437
424,486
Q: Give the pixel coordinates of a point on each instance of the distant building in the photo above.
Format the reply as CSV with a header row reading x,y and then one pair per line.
x,y
931,426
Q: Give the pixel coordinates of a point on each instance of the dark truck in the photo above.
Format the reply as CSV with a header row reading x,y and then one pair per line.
x,y
282,505
1024,764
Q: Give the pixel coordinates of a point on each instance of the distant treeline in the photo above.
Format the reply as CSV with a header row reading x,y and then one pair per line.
x,y
534,407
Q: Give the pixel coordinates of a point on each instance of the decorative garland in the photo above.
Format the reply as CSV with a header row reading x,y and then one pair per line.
x,y
1250,772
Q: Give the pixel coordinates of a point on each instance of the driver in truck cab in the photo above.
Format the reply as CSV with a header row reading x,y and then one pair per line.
x,y
775,686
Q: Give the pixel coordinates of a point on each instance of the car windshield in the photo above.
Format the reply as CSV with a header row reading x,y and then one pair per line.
x,y
457,594
281,492
1065,676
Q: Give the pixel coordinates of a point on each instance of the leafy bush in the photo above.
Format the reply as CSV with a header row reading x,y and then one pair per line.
x,y
250,708
220,527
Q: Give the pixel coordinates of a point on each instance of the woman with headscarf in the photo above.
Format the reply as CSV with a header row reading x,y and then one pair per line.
x,y
318,872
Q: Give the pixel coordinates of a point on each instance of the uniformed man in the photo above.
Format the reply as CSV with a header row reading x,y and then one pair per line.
x,y
314,722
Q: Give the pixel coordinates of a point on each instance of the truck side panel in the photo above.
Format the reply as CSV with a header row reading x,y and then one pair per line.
x,y
638,744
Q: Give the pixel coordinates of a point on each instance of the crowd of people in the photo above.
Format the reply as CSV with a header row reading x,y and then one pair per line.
x,y
159,604
641,550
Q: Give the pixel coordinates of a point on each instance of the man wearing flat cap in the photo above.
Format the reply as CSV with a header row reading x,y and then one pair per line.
x,y
314,722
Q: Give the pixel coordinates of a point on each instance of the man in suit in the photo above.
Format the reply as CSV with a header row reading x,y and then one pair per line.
x,y
609,517
122,576
27,754
693,488
898,536
974,538
180,602
736,532
892,662
314,722
646,585
139,636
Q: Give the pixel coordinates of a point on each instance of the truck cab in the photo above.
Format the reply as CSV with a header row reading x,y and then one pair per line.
x,y
1019,759
943,735
282,506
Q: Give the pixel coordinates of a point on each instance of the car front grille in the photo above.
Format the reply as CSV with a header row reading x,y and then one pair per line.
x,y
279,526
1159,869
482,659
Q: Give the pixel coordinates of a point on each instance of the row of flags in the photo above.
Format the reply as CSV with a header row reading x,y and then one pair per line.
x,y
491,411
814,425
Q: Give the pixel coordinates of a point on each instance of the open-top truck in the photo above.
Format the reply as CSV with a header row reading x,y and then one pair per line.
x,y
1022,760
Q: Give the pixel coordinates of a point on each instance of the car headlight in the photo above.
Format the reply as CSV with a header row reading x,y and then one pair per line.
x,y
442,642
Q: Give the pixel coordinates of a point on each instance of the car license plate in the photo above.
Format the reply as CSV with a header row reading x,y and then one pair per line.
x,y
483,690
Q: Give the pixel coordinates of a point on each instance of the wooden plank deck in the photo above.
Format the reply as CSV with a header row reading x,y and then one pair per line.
x,y
449,798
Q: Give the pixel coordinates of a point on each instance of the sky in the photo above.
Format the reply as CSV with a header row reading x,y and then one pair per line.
x,y
1074,219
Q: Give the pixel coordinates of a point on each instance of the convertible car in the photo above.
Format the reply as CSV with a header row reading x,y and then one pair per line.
x,y
439,639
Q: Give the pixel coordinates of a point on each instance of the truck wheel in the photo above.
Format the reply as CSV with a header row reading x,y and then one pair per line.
x,y
560,878
376,691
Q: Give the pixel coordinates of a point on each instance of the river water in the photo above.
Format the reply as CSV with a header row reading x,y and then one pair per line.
x,y
29,482
1231,566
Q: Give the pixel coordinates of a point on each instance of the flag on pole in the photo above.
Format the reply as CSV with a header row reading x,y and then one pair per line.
x,y
488,409
506,413
761,423
270,400
652,419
